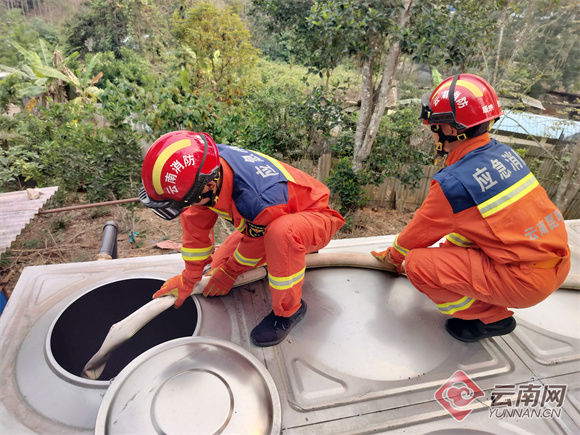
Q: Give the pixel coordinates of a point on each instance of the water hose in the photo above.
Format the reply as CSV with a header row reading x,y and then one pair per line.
x,y
126,328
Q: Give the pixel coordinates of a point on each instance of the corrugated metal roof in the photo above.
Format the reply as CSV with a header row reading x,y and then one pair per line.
x,y
536,125
17,209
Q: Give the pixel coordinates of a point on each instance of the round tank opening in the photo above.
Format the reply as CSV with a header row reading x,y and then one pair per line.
x,y
80,330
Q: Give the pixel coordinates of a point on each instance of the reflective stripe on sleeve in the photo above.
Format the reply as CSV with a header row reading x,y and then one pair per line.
x,y
196,254
242,226
285,282
459,240
245,260
399,248
450,308
221,213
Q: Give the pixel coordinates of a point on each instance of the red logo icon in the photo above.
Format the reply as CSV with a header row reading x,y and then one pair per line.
x,y
457,393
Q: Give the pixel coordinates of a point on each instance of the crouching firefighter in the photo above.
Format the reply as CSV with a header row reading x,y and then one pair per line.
x,y
280,214
506,244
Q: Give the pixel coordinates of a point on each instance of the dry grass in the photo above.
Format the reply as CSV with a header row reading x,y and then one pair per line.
x,y
76,236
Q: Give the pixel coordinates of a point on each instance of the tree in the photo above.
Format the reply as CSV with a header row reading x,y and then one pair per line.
x,y
535,41
216,44
14,26
376,33
570,182
109,25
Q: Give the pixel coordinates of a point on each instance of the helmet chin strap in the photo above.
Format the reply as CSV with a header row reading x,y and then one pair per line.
x,y
442,138
211,194
467,134
212,198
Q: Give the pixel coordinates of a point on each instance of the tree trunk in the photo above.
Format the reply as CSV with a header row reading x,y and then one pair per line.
x,y
367,130
366,105
502,25
570,182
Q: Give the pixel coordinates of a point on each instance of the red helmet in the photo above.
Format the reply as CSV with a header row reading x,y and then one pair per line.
x,y
176,169
462,101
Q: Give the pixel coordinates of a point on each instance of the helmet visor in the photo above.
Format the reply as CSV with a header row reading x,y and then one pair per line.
x,y
168,209
429,117
425,108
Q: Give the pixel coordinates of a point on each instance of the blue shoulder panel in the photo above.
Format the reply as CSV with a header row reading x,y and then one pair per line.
x,y
454,191
480,175
258,182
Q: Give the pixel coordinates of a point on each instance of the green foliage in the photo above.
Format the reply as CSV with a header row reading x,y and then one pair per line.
x,y
6,259
450,34
9,92
437,78
38,77
322,33
535,162
347,185
392,155
26,32
217,48
264,121
60,223
553,57
44,77
110,25
132,68
70,146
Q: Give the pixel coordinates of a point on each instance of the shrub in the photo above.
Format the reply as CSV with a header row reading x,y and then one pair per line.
x,y
347,184
73,147
393,155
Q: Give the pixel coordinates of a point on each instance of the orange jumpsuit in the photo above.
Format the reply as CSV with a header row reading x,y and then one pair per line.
x,y
506,244
280,214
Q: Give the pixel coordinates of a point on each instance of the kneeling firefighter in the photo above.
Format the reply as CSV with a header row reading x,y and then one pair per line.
x,y
506,244
280,214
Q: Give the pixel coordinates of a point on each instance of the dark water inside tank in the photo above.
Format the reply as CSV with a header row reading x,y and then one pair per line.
x,y
80,330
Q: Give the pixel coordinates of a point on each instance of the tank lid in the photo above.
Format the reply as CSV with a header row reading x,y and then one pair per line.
x,y
198,384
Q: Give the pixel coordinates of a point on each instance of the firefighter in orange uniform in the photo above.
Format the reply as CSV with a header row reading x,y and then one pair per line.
x,y
506,244
280,214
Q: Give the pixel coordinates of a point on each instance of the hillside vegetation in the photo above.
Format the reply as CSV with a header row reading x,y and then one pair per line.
x,y
87,86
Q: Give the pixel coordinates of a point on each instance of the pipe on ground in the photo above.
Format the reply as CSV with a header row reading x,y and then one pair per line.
x,y
108,249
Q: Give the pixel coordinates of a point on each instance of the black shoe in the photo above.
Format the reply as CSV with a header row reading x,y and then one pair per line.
x,y
273,329
474,330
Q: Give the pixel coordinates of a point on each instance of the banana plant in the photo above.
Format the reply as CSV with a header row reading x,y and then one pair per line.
x,y
45,78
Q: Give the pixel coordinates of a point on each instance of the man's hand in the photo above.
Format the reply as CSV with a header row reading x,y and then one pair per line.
x,y
175,287
386,257
220,283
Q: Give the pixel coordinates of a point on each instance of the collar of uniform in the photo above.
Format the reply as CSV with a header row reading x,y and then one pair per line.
x,y
466,147
225,194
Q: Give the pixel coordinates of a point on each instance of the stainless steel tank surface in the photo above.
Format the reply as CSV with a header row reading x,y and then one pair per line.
x,y
193,384
371,355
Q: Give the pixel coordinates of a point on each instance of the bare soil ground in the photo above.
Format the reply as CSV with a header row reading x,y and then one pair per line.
x,y
76,236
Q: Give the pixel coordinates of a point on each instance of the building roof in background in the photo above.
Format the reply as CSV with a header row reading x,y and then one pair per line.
x,y
17,209
536,125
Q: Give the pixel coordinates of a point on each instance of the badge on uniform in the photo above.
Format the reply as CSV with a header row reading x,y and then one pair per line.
x,y
253,230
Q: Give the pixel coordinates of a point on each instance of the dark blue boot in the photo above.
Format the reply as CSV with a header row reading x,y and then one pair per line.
x,y
474,330
273,329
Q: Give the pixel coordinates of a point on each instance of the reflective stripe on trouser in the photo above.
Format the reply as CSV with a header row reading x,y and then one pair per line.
x,y
467,284
288,239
